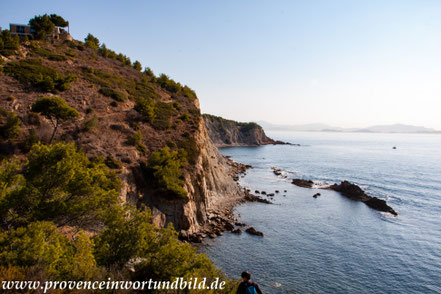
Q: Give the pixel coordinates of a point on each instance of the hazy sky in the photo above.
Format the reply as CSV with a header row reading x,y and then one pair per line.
x,y
346,63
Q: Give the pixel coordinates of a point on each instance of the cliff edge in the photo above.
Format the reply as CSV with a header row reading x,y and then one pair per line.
x,y
224,132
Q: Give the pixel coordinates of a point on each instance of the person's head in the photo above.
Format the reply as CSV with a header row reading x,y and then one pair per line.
x,y
246,276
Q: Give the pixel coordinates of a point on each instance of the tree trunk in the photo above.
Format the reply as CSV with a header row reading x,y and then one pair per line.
x,y
53,134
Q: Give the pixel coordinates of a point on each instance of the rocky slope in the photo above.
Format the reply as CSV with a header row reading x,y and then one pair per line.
x,y
105,90
224,132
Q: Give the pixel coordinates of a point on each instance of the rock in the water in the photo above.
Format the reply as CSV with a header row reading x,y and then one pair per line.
x,y
237,231
229,226
263,193
316,195
257,192
240,224
354,192
302,183
271,195
380,204
253,231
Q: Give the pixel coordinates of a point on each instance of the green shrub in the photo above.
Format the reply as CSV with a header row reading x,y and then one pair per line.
x,y
137,65
163,114
146,107
149,73
42,244
112,163
91,41
168,84
8,43
10,129
32,72
30,140
70,53
43,52
90,124
136,140
114,94
167,171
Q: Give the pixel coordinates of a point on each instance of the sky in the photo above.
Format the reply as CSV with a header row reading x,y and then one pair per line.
x,y
347,63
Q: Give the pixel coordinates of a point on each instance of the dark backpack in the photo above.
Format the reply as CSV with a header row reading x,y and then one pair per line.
x,y
251,290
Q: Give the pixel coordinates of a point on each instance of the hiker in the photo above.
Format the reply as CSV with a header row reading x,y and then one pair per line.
x,y
248,286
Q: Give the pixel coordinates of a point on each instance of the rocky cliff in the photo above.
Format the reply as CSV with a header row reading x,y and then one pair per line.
x,y
224,132
124,117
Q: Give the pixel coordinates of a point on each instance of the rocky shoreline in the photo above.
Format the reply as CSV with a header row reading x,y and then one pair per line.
x,y
224,220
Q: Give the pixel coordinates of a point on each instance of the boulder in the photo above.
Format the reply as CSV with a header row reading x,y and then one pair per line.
x,y
316,195
253,231
303,183
237,231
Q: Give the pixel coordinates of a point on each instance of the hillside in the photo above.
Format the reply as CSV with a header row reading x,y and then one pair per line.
x,y
224,132
124,117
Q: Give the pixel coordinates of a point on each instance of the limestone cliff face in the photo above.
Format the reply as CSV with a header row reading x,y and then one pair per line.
x,y
209,183
224,132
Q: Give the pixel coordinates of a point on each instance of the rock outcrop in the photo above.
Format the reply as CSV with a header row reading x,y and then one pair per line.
x,y
224,132
354,192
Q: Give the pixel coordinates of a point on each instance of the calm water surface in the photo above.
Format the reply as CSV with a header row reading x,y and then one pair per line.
x,y
332,244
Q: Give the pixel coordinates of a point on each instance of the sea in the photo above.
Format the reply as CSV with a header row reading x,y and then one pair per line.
x,y
331,244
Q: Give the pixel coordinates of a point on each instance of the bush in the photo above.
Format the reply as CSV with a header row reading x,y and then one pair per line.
x,y
8,44
146,107
43,52
136,140
112,163
166,166
163,114
137,65
90,124
114,94
30,140
168,84
10,129
92,42
32,72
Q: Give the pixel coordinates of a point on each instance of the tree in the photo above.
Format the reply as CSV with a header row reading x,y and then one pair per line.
x,y
166,166
137,65
58,20
58,184
11,128
92,42
56,110
41,26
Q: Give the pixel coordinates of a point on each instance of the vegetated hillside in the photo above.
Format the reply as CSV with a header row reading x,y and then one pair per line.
x,y
148,129
87,140
224,132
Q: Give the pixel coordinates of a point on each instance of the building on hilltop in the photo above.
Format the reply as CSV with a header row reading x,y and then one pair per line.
x,y
25,30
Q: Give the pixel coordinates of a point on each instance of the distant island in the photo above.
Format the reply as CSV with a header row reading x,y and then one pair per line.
x,y
320,127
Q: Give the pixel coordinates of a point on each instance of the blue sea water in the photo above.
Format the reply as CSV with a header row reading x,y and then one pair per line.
x,y
332,244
